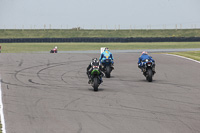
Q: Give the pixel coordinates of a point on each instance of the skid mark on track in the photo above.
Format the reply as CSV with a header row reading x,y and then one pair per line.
x,y
66,106
185,125
20,71
21,62
80,128
38,73
30,80
60,64
67,72
99,123
120,115
16,73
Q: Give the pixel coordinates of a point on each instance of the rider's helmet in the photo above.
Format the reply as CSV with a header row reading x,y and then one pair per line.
x,y
106,49
56,47
94,60
144,52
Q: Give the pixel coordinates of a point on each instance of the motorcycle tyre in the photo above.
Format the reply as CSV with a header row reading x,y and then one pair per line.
x,y
108,71
95,84
149,75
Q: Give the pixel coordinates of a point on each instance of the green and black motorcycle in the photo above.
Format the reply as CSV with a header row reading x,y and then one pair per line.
x,y
95,77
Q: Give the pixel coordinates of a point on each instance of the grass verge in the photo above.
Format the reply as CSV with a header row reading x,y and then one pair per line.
x,y
69,33
193,54
34,47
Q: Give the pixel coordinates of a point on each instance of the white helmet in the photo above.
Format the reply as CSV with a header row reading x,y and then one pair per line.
x,y
56,47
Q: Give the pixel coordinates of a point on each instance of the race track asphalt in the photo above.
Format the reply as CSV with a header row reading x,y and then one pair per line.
x,y
49,93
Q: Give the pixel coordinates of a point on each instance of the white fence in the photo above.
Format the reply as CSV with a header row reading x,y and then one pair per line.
x,y
104,27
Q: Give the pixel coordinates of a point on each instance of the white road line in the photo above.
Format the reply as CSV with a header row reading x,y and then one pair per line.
x,y
184,57
1,108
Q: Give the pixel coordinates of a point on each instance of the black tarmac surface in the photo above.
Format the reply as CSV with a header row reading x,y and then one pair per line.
x,y
48,93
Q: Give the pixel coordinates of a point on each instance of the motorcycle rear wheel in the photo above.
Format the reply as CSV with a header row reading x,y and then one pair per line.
x,y
149,75
108,71
95,84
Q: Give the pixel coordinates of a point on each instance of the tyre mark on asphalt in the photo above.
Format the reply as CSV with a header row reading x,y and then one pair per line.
x,y
38,73
59,64
30,80
21,62
4,82
62,76
16,73
80,128
99,123
120,115
26,86
186,125
171,100
76,99
127,108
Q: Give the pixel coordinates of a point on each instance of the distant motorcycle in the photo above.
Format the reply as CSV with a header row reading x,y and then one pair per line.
x,y
148,69
53,51
106,66
95,77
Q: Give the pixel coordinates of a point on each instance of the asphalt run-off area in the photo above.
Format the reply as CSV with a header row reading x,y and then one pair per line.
x,y
49,93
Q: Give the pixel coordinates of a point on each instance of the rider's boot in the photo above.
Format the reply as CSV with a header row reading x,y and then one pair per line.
x,y
153,69
89,76
101,81
112,66
89,81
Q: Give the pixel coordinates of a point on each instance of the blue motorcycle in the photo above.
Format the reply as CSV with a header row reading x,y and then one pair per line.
x,y
107,66
148,69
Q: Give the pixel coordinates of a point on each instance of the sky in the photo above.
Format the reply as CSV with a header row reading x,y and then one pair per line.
x,y
99,14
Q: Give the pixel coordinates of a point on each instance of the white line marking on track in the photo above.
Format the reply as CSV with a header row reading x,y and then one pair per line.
x,y
184,57
1,108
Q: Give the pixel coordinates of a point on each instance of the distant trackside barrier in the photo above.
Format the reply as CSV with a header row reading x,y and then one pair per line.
x,y
101,40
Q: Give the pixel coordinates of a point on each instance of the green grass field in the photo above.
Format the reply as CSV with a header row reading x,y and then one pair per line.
x,y
36,47
97,33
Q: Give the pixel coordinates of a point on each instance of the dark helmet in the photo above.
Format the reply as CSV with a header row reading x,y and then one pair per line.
x,y
106,49
94,60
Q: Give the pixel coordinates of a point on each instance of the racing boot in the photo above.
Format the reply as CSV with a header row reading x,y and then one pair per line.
x,y
112,65
101,81
89,82
153,69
